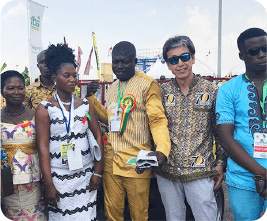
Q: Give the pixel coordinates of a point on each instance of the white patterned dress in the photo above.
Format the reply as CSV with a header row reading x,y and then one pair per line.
x,y
76,202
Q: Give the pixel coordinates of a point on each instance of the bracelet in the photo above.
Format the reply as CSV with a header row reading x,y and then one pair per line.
x,y
96,174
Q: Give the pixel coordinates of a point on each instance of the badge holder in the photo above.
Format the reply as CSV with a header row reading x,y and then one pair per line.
x,y
75,160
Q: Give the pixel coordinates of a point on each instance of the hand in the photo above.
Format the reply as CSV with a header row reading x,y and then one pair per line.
x,y
51,195
160,156
92,87
218,178
261,186
95,182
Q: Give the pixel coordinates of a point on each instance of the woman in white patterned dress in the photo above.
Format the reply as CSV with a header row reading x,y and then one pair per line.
x,y
71,176
21,188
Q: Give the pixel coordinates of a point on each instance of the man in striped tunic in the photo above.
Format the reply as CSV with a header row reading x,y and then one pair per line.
x,y
133,112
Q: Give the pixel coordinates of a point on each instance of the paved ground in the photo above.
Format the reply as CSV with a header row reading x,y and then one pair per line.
x,y
156,209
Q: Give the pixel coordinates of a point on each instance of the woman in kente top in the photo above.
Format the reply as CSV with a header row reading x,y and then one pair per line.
x,y
21,190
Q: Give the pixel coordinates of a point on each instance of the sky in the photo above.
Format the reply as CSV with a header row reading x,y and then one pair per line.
x,y
147,24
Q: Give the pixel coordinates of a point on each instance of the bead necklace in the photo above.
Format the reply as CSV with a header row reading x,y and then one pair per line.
x,y
14,115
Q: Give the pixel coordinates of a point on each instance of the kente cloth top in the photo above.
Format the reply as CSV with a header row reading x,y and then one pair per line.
x,y
192,126
18,141
37,92
147,118
238,104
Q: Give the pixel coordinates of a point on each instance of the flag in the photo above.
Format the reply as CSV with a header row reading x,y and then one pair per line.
x,y
3,67
35,17
109,51
65,42
88,64
79,59
97,58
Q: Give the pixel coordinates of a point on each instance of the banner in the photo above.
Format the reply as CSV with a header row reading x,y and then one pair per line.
x,y
88,64
35,18
97,58
79,59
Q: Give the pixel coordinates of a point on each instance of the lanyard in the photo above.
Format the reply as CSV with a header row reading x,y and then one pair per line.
x,y
120,93
67,122
264,91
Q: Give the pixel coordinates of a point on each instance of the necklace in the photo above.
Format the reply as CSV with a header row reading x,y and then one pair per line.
x,y
65,103
14,115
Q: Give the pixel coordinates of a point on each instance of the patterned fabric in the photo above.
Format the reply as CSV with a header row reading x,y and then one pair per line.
x,y
37,92
148,117
191,122
238,103
25,204
18,142
76,202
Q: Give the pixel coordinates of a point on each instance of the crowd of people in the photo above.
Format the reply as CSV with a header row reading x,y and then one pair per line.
x,y
50,172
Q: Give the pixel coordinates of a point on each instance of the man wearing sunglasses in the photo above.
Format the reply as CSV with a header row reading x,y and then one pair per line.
x,y
241,117
189,103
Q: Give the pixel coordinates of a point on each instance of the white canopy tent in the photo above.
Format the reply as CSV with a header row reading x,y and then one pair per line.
x,y
158,69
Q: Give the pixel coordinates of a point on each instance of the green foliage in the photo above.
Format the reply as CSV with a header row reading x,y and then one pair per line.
x,y
25,74
3,67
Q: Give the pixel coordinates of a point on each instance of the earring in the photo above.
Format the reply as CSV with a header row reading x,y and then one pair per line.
x,y
55,83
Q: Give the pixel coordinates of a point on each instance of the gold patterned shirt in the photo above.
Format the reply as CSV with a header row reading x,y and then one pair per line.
x,y
192,126
148,117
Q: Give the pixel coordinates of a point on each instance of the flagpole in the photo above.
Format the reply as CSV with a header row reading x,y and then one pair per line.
x,y
219,39
29,50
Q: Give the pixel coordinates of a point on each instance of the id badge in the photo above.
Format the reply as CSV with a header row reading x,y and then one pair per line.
x,y
260,145
115,125
64,148
75,159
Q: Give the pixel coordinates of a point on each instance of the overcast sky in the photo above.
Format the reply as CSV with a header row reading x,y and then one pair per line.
x,y
147,24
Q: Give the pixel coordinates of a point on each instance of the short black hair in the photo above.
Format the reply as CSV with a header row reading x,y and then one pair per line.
x,y
40,55
249,33
10,74
175,42
57,55
124,48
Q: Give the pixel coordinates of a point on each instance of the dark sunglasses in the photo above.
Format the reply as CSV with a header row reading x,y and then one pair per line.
x,y
175,59
255,51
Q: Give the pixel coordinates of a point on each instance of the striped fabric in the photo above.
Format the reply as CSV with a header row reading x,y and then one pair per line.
x,y
137,129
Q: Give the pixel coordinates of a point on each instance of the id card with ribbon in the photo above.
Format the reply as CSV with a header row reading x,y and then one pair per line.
x,y
115,122
260,145
64,148
75,159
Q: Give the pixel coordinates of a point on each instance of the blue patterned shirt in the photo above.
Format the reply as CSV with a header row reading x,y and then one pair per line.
x,y
238,103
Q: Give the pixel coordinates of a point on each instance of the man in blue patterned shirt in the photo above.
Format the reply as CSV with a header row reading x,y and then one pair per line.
x,y
241,118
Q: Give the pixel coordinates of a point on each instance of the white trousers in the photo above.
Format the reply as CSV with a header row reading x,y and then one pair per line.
x,y
199,195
